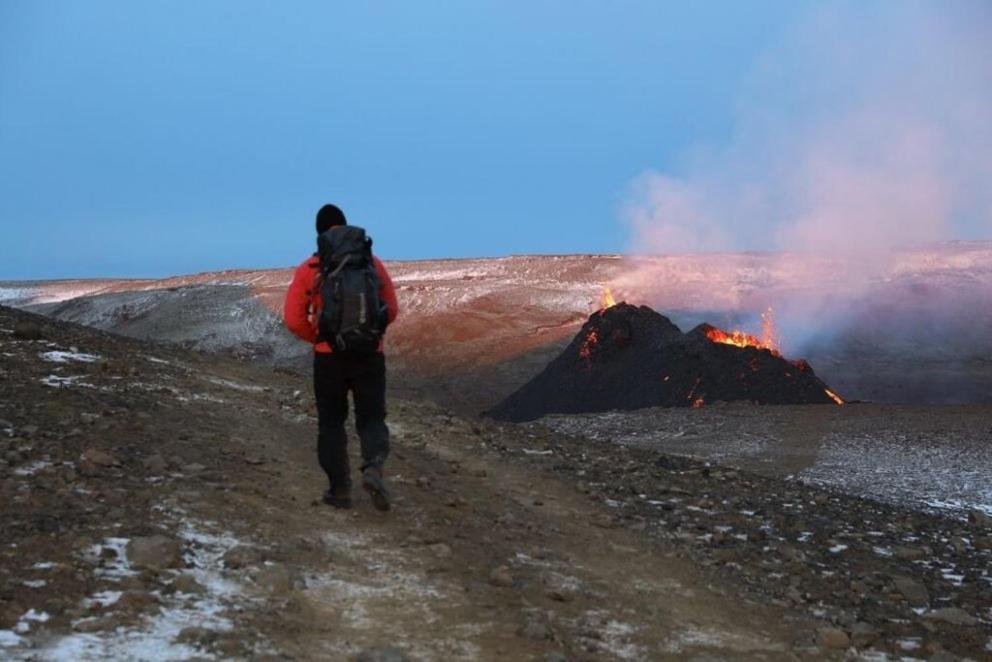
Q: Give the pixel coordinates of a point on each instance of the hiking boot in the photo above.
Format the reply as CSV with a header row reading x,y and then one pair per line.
x,y
373,484
338,497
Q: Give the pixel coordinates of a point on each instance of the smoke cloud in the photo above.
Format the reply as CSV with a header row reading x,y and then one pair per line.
x,y
867,129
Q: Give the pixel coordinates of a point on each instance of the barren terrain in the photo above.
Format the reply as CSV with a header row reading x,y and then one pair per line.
x,y
912,329
159,484
160,504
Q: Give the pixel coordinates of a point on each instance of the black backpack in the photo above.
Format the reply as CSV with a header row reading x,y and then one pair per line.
x,y
353,317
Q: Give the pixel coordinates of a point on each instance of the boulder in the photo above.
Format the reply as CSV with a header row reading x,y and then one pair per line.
x,y
501,576
136,601
186,584
863,634
241,556
99,458
952,615
914,592
156,463
980,518
833,638
535,630
440,550
278,578
155,552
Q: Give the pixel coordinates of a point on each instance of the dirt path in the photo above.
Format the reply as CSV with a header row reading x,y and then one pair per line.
x,y
485,559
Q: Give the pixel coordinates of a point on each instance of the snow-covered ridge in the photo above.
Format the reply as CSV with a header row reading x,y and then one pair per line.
x,y
968,261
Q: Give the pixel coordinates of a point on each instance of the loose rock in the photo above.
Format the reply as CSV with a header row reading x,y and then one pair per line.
x,y
99,458
186,584
952,615
501,576
440,550
534,630
156,552
278,578
914,592
156,463
833,638
241,556
863,635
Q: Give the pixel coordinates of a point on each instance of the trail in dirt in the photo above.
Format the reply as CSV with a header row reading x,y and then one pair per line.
x,y
484,559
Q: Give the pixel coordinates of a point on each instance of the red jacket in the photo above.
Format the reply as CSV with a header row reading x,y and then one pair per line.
x,y
303,301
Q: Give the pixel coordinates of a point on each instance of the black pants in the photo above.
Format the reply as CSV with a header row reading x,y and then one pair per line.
x,y
365,376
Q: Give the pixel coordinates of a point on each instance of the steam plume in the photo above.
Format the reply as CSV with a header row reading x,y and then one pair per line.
x,y
866,131
869,128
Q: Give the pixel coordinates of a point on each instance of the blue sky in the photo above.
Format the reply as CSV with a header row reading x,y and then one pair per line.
x,y
157,138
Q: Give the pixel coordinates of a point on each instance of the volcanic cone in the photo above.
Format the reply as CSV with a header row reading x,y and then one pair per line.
x,y
629,357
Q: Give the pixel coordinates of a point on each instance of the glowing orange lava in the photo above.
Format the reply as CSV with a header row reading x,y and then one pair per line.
x,y
608,300
769,335
591,340
833,396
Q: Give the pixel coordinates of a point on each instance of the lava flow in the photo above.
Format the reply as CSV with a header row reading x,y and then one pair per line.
x,y
591,340
833,396
768,340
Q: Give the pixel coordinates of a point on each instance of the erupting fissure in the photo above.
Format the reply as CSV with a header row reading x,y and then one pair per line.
x,y
608,300
769,340
769,335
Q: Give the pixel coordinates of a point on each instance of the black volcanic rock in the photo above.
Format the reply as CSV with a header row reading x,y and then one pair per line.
x,y
629,357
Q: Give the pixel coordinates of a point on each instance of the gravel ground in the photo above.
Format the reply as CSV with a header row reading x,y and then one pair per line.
x,y
931,458
902,582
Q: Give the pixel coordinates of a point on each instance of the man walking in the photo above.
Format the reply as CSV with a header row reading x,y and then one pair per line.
x,y
341,300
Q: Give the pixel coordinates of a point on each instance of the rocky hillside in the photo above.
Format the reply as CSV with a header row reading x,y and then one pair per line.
x,y
910,328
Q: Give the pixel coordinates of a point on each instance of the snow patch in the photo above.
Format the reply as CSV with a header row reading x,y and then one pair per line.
x,y
154,639
15,294
237,386
116,566
32,469
60,356
31,616
57,381
931,476
9,639
103,598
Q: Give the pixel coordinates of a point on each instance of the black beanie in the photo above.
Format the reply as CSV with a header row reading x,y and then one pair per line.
x,y
328,216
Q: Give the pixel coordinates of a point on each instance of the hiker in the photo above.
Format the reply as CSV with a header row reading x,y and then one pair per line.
x,y
341,300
